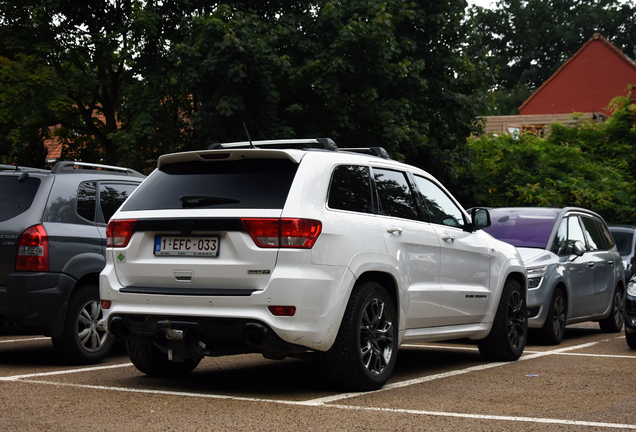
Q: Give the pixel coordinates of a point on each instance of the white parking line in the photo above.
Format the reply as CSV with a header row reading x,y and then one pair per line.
x,y
25,340
61,372
327,402
345,407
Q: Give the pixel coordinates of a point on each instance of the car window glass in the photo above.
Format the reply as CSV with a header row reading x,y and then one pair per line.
x,y
441,209
560,243
523,227
624,241
86,200
16,196
575,232
350,189
395,195
111,197
609,240
245,184
593,234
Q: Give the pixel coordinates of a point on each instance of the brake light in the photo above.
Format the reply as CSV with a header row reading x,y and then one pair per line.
x,y
118,232
283,232
33,250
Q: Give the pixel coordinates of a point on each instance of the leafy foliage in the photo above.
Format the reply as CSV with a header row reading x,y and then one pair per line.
x,y
588,165
128,80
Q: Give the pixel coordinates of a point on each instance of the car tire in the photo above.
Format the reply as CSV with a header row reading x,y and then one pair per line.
x,y
84,339
363,356
614,322
508,335
553,330
153,362
631,339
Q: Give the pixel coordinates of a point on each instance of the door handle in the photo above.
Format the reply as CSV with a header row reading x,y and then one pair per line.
x,y
448,238
394,230
610,262
590,264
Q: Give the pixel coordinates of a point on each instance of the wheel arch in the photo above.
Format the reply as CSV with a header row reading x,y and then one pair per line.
x,y
387,281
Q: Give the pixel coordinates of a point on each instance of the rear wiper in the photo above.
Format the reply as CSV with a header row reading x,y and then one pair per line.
x,y
204,200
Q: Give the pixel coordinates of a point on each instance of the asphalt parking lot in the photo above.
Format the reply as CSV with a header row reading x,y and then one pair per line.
x,y
587,383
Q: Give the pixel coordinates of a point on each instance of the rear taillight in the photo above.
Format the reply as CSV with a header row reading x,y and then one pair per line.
x,y
118,232
33,250
284,232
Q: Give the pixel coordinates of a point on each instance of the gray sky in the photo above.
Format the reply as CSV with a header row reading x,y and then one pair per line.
x,y
482,3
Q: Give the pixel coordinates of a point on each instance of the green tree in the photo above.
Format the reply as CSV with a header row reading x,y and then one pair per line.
x,y
131,79
528,40
588,165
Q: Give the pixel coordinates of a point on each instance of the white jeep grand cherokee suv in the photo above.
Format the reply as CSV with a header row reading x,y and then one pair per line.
x,y
281,248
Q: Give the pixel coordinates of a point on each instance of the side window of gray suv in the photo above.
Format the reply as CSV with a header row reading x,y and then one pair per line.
x,y
593,234
350,189
86,199
111,196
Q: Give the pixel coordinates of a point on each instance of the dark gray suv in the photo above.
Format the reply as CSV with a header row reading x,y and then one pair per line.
x,y
52,243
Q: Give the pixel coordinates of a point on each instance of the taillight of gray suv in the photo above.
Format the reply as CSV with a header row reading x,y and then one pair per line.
x,y
281,248
52,243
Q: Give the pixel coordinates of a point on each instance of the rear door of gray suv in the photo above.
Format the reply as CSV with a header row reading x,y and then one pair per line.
x,y
603,261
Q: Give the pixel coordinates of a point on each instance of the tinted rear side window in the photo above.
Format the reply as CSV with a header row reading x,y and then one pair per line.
x,y
394,192
16,197
111,197
249,183
350,189
624,241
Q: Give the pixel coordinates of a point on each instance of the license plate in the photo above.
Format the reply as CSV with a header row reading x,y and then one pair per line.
x,y
187,246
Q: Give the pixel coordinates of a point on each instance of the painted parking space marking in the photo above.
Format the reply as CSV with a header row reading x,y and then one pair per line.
x,y
25,340
328,402
26,377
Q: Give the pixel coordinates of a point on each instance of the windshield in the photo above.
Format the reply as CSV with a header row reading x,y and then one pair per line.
x,y
522,227
623,242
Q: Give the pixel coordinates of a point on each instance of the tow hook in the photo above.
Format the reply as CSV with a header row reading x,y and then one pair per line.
x,y
172,334
176,344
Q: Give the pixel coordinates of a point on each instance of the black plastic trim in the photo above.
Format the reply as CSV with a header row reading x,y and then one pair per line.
x,y
217,292
189,225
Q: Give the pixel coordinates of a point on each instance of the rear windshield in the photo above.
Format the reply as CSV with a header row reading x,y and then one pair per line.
x,y
624,241
16,197
248,183
526,228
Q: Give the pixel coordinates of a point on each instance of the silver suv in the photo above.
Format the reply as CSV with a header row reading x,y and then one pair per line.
x,y
52,244
284,247
575,272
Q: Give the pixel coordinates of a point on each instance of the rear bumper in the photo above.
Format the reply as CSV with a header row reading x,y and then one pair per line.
x,y
198,337
36,300
319,294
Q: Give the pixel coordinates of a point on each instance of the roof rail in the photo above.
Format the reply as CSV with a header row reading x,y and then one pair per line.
x,y
22,169
320,143
375,151
324,143
69,167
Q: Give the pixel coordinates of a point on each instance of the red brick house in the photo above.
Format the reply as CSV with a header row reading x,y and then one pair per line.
x,y
586,83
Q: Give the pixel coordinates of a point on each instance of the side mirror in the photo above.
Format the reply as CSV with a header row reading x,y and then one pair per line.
x,y
480,219
578,248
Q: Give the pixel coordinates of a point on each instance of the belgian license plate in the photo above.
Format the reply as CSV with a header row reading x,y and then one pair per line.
x,y
187,246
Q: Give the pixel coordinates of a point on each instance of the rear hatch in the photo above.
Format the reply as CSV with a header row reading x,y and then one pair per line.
x,y
188,223
19,210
